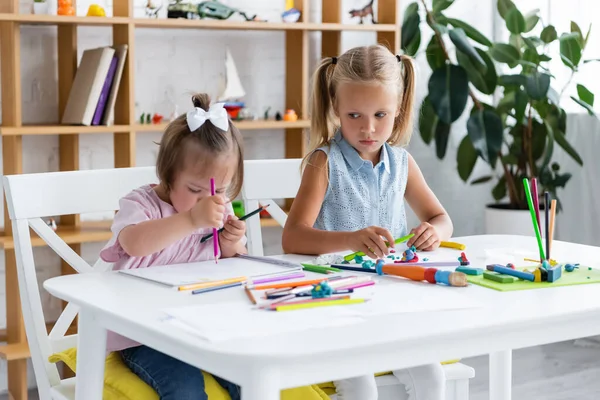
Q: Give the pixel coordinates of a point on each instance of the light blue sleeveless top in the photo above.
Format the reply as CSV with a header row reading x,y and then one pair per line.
x,y
360,195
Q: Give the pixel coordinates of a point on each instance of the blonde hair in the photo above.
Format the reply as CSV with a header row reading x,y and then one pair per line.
x,y
365,64
178,139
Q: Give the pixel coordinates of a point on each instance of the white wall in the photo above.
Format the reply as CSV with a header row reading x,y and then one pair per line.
x,y
170,64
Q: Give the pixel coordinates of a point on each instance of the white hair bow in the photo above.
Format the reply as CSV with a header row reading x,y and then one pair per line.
x,y
216,114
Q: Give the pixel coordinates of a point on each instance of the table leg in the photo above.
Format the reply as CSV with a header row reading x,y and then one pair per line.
x,y
261,386
500,375
91,353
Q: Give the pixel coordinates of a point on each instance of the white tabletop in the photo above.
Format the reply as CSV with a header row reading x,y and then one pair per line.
x,y
508,320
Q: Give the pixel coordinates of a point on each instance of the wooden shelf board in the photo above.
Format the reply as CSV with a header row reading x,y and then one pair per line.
x,y
242,125
180,23
93,231
60,129
33,19
15,351
330,26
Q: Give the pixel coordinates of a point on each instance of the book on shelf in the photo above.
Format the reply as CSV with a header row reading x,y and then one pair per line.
x,y
93,93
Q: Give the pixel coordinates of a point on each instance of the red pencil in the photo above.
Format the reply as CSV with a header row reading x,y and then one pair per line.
x,y
536,202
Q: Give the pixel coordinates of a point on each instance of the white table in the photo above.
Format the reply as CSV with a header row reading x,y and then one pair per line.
x,y
264,366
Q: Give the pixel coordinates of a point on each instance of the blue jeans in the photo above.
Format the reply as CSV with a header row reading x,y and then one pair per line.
x,y
171,378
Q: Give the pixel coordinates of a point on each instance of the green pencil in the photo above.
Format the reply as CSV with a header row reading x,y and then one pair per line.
x,y
321,269
536,228
350,257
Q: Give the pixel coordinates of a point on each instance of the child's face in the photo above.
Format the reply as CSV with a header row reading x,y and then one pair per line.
x,y
193,183
366,113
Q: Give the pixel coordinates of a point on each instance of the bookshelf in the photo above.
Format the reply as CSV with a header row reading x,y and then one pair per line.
x,y
126,127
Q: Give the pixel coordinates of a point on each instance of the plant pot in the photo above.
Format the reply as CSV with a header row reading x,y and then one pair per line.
x,y
502,220
40,8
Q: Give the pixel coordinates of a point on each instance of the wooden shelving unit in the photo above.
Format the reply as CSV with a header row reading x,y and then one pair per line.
x,y
124,26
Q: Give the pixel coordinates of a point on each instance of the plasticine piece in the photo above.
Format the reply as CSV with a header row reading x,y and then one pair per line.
x,y
519,274
544,273
555,273
494,276
510,265
368,264
537,275
545,264
570,267
430,274
469,270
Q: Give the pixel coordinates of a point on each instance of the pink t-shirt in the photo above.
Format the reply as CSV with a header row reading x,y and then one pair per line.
x,y
143,204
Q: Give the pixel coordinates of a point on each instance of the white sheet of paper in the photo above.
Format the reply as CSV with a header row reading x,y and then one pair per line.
x,y
184,274
242,320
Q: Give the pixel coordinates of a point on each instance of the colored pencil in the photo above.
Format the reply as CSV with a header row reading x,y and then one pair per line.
x,y
216,241
547,219
536,201
259,209
210,289
274,306
288,284
536,228
203,285
552,216
294,274
326,303
321,269
357,285
350,257
250,295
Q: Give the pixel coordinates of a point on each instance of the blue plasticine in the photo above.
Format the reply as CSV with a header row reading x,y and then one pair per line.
x,y
512,272
570,267
379,268
321,290
545,264
469,270
555,273
442,276
358,259
368,264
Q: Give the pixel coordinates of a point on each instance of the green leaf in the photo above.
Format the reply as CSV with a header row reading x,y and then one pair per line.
x,y
499,191
459,38
585,95
544,57
448,92
553,96
532,56
442,29
410,28
435,54
505,53
442,133
412,8
576,29
506,103
485,131
512,80
427,121
521,101
413,46
549,148
538,139
516,41
486,81
587,36
515,22
531,20
510,159
591,60
585,105
471,32
482,179
466,157
549,34
562,142
441,5
529,43
504,6
570,49
537,85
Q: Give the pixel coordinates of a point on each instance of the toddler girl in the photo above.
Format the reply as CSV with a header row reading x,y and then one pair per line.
x,y
356,178
163,224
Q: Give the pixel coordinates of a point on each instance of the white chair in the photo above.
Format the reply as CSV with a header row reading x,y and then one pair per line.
x,y
268,180
31,197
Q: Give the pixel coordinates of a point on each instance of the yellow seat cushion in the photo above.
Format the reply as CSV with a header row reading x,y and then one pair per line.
x,y
122,384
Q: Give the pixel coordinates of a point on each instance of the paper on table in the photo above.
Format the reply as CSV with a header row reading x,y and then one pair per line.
x,y
225,321
185,274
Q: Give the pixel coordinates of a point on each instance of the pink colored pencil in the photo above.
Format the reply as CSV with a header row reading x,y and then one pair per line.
x,y
215,233
536,201
356,285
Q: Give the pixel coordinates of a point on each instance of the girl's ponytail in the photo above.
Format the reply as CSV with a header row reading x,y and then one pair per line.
x,y
404,121
321,106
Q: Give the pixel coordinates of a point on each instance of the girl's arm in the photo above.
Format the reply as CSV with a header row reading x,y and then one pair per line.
x,y
300,237
436,224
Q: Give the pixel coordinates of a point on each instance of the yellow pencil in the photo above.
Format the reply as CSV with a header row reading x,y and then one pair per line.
x,y
552,216
291,307
205,285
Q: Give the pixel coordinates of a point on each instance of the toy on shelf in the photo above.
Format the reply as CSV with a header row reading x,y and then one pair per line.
x,y
177,9
40,7
278,116
231,88
266,114
95,10
216,10
364,12
52,224
291,14
65,7
152,8
290,115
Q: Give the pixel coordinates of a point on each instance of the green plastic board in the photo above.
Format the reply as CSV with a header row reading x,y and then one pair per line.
x,y
579,276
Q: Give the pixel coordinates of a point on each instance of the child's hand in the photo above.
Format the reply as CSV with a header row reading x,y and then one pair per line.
x,y
426,237
234,230
369,241
208,212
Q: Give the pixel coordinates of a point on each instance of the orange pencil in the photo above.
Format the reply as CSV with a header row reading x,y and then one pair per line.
x,y
205,285
552,216
288,284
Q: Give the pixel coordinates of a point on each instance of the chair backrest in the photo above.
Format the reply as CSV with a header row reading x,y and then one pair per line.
x,y
31,197
264,182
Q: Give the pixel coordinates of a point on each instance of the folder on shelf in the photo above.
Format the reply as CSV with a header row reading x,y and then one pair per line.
x,y
121,54
87,86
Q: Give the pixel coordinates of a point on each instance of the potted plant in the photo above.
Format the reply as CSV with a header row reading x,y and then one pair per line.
x,y
40,6
515,135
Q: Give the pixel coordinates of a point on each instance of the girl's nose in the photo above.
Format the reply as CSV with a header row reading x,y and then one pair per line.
x,y
369,126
